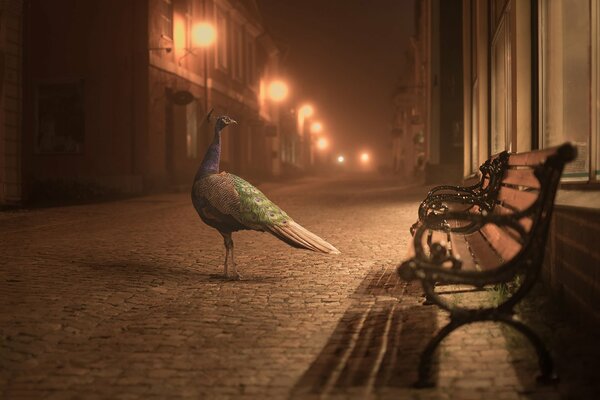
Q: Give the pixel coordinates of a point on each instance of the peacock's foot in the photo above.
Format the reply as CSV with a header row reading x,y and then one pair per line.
x,y
234,276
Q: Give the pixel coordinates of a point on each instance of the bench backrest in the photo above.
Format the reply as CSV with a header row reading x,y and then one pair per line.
x,y
526,192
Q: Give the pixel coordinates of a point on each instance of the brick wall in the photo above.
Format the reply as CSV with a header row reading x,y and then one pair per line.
x,y
572,262
11,38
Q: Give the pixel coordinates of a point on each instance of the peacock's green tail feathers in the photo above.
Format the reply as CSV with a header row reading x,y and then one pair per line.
x,y
255,207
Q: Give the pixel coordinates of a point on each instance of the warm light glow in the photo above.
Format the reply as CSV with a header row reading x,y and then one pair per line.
x,y
316,127
179,35
340,159
322,143
364,157
306,110
278,91
204,34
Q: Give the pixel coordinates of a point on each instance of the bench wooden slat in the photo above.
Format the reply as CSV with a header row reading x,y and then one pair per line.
x,y
485,257
526,222
461,251
518,199
502,242
531,158
521,177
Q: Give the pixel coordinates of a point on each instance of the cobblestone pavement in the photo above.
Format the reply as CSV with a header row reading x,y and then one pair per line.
x,y
125,300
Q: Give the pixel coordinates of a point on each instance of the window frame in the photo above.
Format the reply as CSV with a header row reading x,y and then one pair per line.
x,y
591,178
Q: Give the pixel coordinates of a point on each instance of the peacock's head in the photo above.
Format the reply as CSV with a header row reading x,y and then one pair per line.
x,y
223,121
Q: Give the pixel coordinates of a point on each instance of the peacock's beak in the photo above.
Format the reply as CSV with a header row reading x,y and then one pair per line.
x,y
233,121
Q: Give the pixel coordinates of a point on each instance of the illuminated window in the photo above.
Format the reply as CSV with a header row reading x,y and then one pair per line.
x,y
221,53
238,56
566,81
166,18
250,62
501,87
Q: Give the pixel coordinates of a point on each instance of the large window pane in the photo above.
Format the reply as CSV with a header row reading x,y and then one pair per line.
x,y
501,89
566,80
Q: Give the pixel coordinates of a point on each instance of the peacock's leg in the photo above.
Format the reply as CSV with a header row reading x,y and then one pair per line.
x,y
229,256
228,242
236,274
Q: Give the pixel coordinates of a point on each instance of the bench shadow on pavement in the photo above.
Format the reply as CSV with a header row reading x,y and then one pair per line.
x,y
377,342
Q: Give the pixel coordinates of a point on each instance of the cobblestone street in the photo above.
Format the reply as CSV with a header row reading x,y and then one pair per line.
x,y
125,300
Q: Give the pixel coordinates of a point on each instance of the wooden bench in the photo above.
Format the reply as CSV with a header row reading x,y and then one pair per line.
x,y
491,233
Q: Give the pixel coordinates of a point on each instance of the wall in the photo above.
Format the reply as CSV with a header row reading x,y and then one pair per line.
x,y
99,46
11,42
572,261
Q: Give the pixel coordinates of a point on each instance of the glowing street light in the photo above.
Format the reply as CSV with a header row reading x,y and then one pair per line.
x,y
322,143
203,34
278,90
306,111
364,158
316,127
340,159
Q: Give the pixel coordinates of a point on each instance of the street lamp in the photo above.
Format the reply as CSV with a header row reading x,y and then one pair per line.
x,y
278,90
364,158
203,34
322,143
316,127
341,159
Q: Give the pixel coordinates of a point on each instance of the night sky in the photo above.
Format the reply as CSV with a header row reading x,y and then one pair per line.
x,y
345,57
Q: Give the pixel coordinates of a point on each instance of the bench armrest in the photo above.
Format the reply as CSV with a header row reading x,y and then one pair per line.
x,y
468,190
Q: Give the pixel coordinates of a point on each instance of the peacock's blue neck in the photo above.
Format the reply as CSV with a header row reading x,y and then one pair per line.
x,y
212,158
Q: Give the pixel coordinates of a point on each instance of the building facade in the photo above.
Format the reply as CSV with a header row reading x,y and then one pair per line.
x,y
427,100
114,94
530,79
11,96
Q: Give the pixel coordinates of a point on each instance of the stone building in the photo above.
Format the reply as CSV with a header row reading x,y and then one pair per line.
x,y
114,94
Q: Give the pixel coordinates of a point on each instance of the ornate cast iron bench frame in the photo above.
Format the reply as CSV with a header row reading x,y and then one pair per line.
x,y
529,227
481,194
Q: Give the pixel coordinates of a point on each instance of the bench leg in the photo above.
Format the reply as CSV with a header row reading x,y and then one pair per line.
x,y
425,379
547,373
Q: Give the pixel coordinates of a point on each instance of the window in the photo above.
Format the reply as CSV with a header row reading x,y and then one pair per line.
x,y
166,18
501,87
566,81
191,128
60,118
474,87
596,79
250,62
238,56
221,53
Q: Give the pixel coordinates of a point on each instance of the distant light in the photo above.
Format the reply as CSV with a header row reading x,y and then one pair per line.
x,y
340,159
306,111
364,157
316,127
322,143
203,34
278,90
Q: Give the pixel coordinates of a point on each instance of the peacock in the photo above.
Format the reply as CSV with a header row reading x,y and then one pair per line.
x,y
228,203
